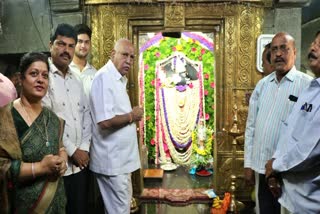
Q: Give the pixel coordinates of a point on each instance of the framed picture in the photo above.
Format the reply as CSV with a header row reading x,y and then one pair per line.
x,y
262,41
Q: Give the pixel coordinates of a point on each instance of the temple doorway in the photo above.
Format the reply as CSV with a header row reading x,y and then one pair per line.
x,y
177,90
233,27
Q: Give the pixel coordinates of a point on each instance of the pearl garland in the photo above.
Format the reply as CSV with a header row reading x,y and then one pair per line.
x,y
177,114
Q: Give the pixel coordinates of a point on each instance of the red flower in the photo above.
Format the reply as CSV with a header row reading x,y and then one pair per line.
x,y
206,92
146,67
193,49
206,76
190,85
212,85
174,48
157,54
207,116
152,142
203,51
152,82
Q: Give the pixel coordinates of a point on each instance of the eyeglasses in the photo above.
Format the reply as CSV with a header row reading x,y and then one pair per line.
x,y
282,48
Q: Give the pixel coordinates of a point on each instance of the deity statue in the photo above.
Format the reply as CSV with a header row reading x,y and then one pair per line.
x,y
202,135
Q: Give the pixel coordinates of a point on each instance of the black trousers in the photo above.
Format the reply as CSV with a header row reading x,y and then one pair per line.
x,y
76,187
267,203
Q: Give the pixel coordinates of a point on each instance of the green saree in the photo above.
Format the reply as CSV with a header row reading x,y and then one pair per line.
x,y
38,195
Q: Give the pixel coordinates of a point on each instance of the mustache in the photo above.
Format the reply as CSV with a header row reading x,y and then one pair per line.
x,y
311,55
66,54
279,59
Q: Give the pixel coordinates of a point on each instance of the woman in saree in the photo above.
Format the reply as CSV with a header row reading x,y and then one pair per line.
x,y
32,156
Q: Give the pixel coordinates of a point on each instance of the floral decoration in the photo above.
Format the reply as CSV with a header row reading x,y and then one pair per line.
x,y
195,47
201,157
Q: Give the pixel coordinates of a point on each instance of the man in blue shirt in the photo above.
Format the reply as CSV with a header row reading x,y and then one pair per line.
x,y
269,106
296,162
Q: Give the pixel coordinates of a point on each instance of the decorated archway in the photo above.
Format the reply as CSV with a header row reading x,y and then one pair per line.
x,y
177,87
235,27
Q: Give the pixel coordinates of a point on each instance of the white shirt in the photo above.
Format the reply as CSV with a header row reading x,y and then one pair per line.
x,y
269,106
66,98
86,75
113,151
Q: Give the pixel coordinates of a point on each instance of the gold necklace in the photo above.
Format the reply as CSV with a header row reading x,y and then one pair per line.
x,y
45,124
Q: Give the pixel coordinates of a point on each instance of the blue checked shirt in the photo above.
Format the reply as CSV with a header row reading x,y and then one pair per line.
x,y
298,154
269,106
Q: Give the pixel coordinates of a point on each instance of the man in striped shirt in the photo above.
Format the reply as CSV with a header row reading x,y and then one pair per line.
x,y
269,106
296,160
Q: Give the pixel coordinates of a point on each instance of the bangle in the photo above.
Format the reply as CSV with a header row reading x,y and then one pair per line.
x,y
32,169
130,117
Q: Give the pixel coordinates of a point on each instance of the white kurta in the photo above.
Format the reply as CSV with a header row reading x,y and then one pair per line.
x,y
113,152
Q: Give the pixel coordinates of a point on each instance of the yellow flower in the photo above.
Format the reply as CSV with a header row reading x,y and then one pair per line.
x,y
179,47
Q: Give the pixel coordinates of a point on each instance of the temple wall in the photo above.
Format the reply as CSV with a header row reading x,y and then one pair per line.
x,y
26,27
287,20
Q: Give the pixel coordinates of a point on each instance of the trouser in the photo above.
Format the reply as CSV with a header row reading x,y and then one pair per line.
x,y
76,187
267,203
116,192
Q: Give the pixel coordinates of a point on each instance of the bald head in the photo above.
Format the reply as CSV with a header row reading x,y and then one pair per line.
x,y
286,35
122,42
122,56
283,53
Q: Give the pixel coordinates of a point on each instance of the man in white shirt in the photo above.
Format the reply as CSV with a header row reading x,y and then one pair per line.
x,y
293,171
114,150
80,64
269,106
67,99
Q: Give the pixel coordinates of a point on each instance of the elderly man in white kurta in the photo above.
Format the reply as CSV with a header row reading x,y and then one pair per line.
x,y
114,149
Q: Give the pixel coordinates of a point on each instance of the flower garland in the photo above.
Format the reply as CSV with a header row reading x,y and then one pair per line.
x,y
201,156
198,48
177,121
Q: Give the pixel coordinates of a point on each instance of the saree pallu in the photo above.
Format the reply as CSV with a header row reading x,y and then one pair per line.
x,y
9,150
38,195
